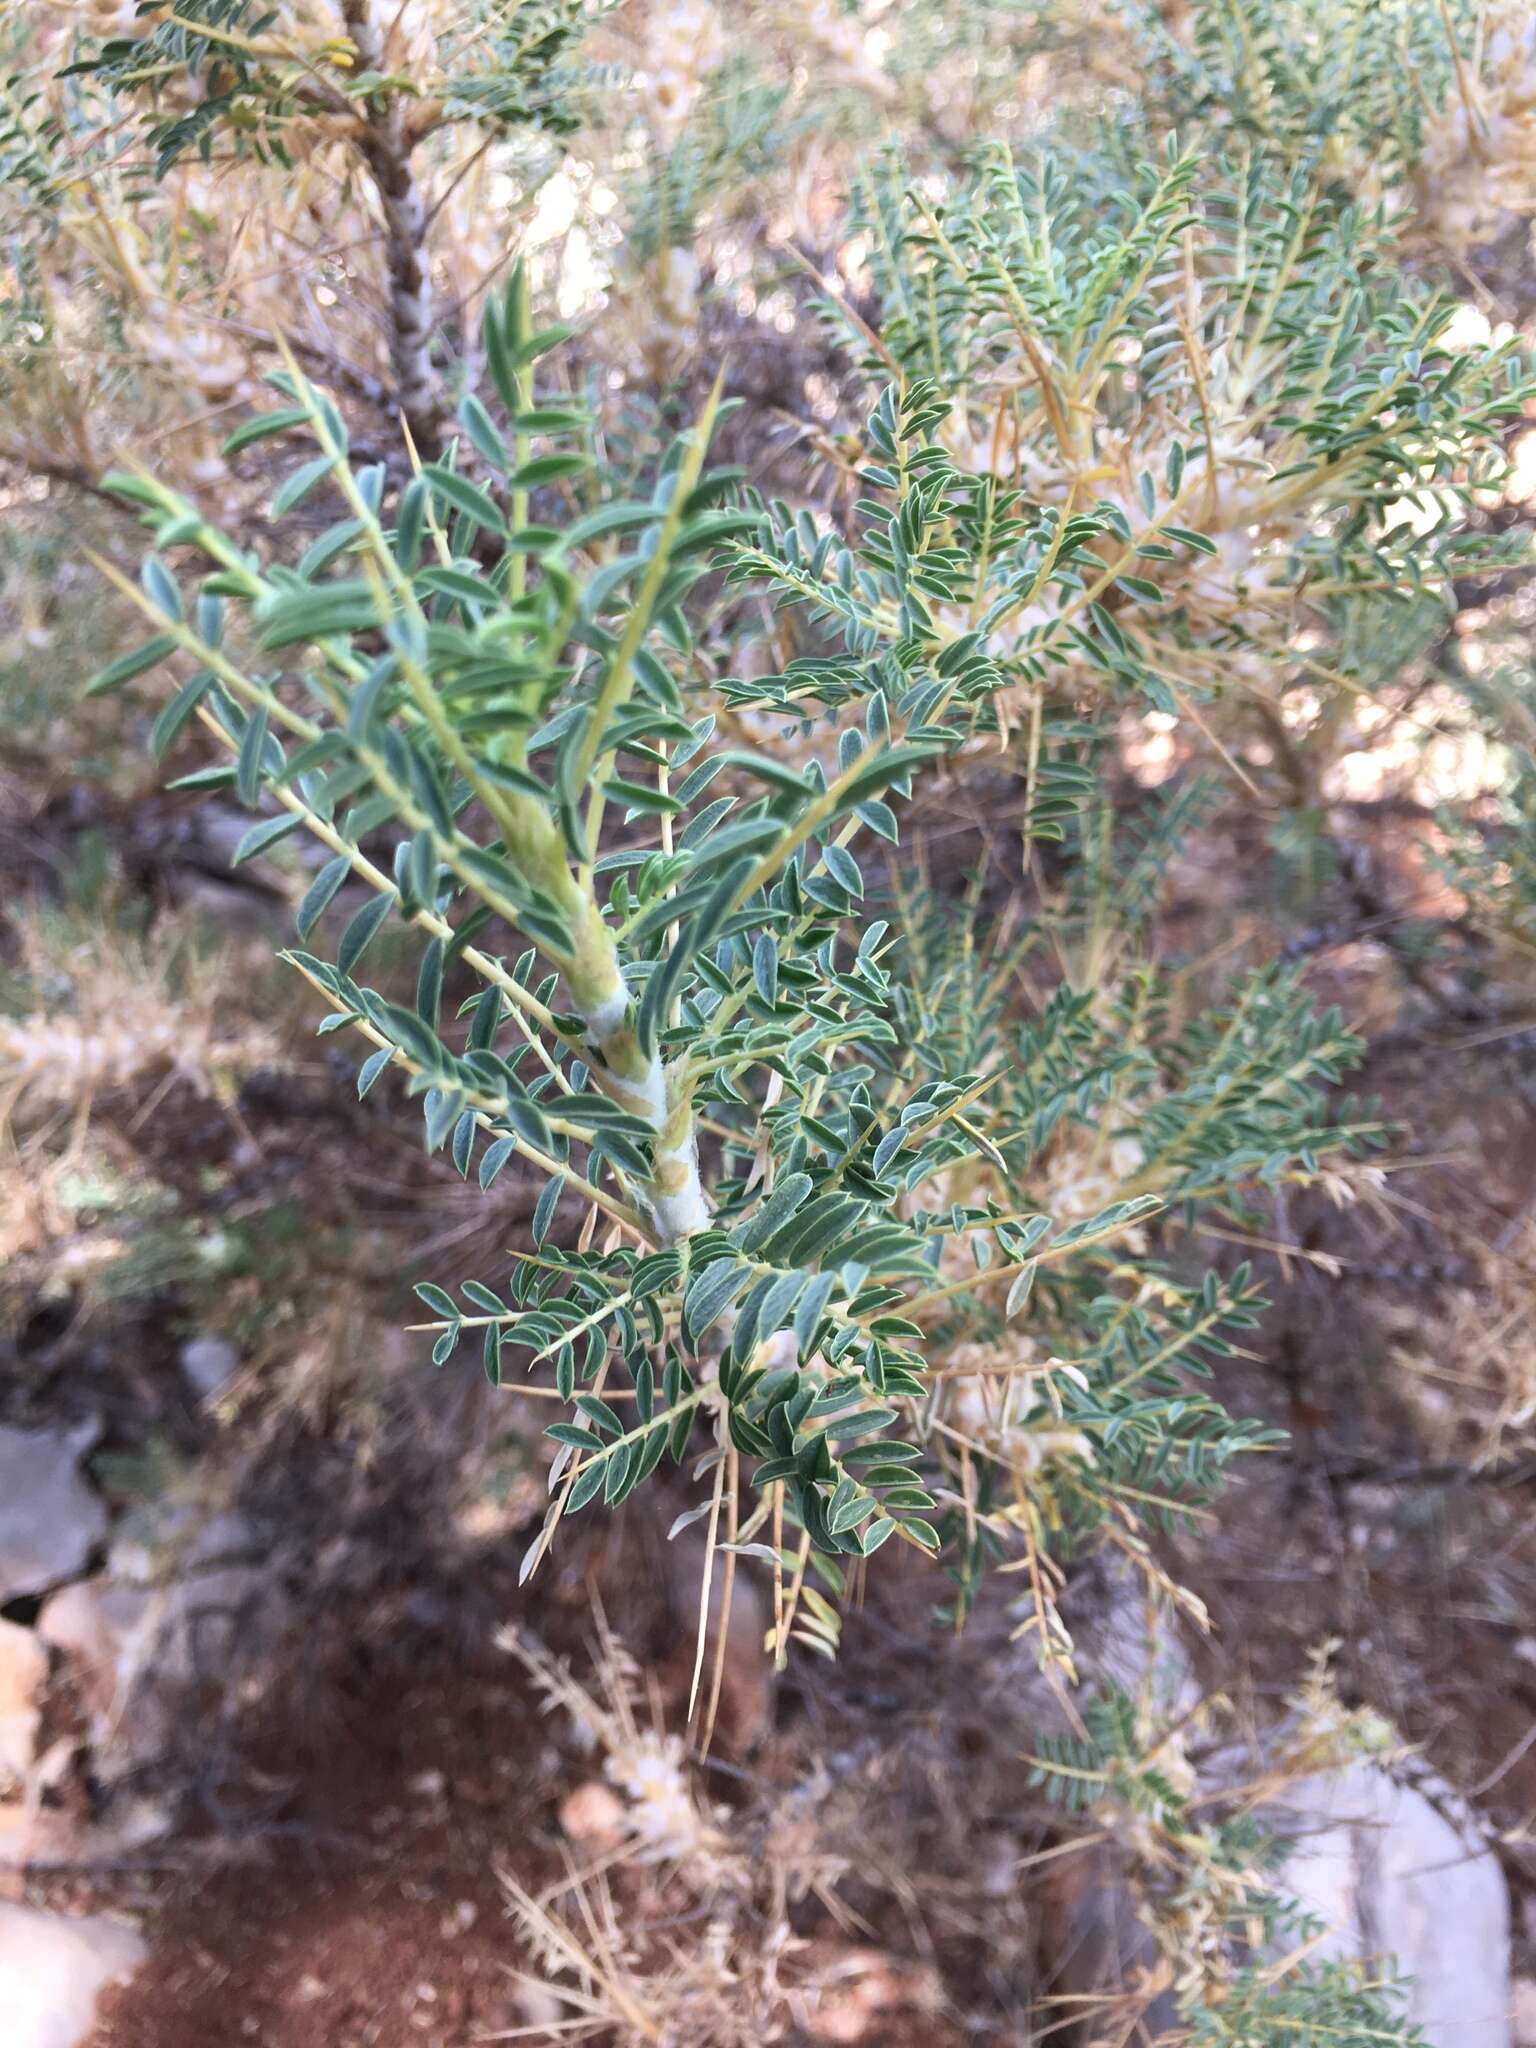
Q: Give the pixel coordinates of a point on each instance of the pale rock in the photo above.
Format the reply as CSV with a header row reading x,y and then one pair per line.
x,y
127,1826
208,1363
53,1972
197,1563
167,1618
747,1682
105,1633
46,1838
1390,1875
50,1520
1099,1943
1134,1642
860,1988
174,1538
537,2005
594,1816
23,1672
31,1838
51,1766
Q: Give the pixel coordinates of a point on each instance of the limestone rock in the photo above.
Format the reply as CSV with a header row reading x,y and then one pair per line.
x,y
23,1672
32,1837
593,1816
165,1620
50,1520
106,1633
177,1537
208,1362
1391,1874
537,2005
48,1838
53,1972
1123,1639
747,1680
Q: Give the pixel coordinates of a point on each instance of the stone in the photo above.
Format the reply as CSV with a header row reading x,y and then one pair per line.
x,y
32,1838
862,1989
129,1650
177,1537
1132,1643
208,1363
105,1633
539,2005
747,1683
165,1619
110,1636
1098,1943
48,1838
1396,1870
53,1971
594,1816
23,1673
50,1520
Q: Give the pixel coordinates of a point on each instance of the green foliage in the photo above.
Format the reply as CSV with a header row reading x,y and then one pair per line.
x,y
28,141
487,694
870,1211
249,81
1203,399
1203,1867
1492,861
1352,81
723,146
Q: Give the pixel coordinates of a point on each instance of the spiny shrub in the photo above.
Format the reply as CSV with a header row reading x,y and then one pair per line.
x,y
1211,420
813,1147
855,1203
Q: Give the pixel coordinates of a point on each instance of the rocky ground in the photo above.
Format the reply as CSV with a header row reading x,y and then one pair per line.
x,y
267,1774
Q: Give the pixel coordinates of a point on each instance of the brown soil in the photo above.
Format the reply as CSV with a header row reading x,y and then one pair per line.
x,y
366,1912
348,1894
